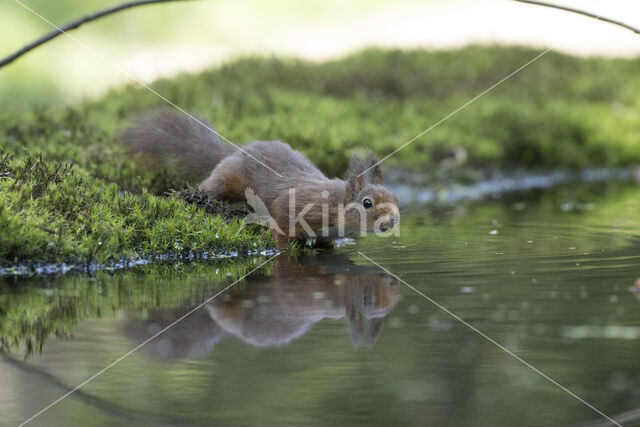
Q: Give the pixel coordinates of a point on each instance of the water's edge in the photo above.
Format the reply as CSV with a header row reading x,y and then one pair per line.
x,y
61,268
498,184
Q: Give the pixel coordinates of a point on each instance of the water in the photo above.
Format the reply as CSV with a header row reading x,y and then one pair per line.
x,y
332,339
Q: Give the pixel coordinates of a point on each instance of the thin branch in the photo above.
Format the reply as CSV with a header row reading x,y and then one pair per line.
x,y
585,13
75,24
123,414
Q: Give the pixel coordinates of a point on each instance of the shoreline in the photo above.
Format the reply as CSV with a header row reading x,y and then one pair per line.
x,y
498,184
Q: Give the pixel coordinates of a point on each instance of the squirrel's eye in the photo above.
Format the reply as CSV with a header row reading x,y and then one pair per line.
x,y
367,203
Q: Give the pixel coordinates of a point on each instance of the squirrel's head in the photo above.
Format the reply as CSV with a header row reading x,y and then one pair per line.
x,y
368,202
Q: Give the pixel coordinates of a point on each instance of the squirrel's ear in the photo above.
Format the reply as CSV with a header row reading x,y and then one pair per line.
x,y
354,185
374,173
355,180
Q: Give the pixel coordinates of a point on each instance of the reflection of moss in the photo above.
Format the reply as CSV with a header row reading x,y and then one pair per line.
x,y
31,313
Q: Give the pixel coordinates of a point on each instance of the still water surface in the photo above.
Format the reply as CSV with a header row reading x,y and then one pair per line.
x,y
331,339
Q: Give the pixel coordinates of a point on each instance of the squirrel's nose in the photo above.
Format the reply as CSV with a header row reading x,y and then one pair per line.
x,y
389,223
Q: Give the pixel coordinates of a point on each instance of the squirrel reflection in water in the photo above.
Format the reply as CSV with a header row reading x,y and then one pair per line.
x,y
273,310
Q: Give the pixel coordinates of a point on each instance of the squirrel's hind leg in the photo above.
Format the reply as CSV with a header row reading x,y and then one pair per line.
x,y
226,181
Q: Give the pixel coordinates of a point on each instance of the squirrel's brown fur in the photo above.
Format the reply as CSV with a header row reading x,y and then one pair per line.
x,y
188,147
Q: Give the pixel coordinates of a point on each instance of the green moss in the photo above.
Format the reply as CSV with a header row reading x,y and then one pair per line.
x,y
559,112
48,211
211,206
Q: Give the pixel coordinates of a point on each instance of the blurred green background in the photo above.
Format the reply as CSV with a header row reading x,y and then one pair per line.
x,y
154,40
326,77
161,40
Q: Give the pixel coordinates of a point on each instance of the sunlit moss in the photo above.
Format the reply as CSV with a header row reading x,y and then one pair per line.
x,y
559,112
48,211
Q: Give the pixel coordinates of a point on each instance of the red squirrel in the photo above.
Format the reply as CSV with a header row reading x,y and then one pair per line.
x,y
300,199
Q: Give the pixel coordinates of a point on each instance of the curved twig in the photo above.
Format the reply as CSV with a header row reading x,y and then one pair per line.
x,y
75,24
113,410
583,12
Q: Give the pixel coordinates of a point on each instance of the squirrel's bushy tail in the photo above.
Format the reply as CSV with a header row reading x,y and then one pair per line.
x,y
177,143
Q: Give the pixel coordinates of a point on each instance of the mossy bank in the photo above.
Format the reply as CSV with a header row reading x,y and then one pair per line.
x,y
49,211
559,112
